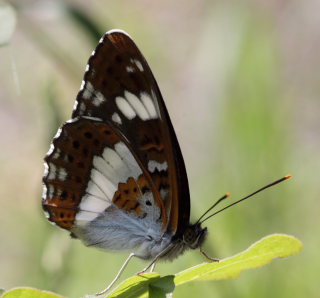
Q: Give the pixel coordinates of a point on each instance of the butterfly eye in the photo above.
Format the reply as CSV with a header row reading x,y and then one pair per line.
x,y
194,236
189,236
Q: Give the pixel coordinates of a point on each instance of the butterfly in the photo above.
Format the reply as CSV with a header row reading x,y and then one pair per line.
x,y
114,176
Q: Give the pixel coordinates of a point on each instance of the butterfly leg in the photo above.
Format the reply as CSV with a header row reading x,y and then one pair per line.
x,y
153,262
209,258
117,276
152,267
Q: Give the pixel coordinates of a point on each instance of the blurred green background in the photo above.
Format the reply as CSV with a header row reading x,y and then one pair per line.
x,y
241,82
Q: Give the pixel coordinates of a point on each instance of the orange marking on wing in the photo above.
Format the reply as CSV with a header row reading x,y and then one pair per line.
x,y
126,197
63,217
150,146
62,208
150,137
143,184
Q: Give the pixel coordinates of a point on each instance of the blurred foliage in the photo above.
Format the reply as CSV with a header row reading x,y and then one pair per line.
x,y
241,83
84,21
7,22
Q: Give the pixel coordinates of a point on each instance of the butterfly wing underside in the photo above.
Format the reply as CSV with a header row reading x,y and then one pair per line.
x,y
120,112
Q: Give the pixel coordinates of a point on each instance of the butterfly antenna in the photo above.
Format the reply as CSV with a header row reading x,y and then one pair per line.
x,y
247,197
214,205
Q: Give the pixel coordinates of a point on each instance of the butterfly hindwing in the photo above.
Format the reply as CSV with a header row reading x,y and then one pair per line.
x,y
89,168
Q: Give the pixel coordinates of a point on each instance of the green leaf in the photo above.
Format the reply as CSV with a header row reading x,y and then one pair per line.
x,y
29,293
258,254
7,22
162,287
139,286
135,286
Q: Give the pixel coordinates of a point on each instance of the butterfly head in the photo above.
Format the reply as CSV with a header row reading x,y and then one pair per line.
x,y
194,236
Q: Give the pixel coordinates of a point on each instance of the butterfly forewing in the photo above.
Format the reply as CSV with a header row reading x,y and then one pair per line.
x,y
120,94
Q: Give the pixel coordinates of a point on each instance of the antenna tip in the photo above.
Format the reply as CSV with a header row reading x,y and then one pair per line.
x,y
288,176
227,194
